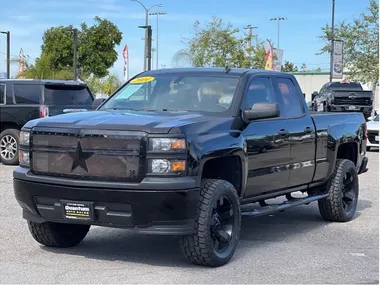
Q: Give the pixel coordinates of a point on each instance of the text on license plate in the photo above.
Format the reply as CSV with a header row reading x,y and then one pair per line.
x,y
77,211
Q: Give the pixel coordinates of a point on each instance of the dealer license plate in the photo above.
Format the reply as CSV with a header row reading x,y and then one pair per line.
x,y
77,210
351,107
377,138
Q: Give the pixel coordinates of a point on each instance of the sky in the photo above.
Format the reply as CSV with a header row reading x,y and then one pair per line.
x,y
28,19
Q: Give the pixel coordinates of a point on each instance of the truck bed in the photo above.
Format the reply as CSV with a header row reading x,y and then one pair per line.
x,y
329,128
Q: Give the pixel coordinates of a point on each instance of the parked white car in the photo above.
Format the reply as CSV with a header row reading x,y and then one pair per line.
x,y
373,133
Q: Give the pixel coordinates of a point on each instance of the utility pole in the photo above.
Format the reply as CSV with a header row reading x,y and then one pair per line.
x,y
332,39
149,45
146,51
8,33
157,14
75,31
250,34
278,19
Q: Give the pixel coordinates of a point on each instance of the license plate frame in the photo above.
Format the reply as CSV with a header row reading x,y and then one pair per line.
x,y
78,210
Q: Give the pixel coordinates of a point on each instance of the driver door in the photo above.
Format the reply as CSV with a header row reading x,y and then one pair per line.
x,y
267,142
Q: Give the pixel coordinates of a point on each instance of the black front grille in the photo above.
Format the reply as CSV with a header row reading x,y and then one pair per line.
x,y
372,137
95,157
354,101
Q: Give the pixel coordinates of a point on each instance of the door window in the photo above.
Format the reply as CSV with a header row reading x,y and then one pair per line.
x,y
289,96
260,90
2,94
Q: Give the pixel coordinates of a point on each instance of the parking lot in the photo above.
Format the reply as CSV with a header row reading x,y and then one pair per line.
x,y
295,246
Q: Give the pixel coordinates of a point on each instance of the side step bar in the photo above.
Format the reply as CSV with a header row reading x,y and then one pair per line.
x,y
246,210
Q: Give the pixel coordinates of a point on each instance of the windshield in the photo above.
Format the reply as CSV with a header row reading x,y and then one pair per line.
x,y
67,95
176,92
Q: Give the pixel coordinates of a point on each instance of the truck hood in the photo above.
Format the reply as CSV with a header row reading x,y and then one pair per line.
x,y
151,122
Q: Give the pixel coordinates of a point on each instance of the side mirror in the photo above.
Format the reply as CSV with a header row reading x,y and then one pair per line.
x,y
265,110
314,94
97,102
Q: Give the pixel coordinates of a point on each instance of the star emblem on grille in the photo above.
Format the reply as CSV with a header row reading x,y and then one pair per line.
x,y
79,158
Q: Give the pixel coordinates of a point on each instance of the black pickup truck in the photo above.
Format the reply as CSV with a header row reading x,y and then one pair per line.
x,y
188,152
22,100
343,97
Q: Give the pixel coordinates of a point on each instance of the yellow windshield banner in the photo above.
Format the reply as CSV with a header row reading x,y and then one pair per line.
x,y
144,79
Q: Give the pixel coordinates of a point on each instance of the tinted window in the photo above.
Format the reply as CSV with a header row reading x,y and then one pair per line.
x,y
351,86
2,93
289,96
27,94
67,95
182,92
260,90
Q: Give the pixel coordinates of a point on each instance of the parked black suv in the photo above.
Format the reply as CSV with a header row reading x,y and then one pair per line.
x,y
22,100
343,97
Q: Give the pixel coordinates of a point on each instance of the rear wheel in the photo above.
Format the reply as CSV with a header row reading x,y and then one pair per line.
x,y
343,190
9,141
58,235
217,225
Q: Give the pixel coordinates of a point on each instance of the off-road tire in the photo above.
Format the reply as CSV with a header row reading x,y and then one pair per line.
x,y
198,248
16,135
58,235
331,207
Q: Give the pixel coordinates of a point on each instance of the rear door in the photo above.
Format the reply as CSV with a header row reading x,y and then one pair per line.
x,y
300,127
66,98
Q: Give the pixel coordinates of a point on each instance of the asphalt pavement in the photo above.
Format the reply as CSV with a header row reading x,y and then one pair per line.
x,y
295,246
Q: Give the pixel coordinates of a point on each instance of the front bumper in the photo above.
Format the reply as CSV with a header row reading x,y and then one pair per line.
x,y
373,138
150,211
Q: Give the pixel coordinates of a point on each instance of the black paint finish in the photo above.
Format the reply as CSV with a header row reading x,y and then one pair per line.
x,y
277,155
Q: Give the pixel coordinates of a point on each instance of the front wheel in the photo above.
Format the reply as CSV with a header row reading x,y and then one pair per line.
x,y
217,225
343,190
58,235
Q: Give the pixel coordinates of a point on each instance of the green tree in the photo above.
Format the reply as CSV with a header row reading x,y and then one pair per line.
x,y
289,67
303,67
109,84
361,44
96,47
219,45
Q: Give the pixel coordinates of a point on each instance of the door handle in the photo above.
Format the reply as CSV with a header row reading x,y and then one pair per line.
x,y
308,130
283,132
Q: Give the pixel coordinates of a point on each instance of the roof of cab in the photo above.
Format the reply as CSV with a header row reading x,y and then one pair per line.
x,y
215,70
42,81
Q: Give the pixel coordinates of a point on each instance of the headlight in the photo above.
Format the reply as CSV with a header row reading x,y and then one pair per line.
x,y
166,166
24,159
24,137
166,144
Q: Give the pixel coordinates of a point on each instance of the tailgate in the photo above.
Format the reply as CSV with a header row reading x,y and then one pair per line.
x,y
344,97
65,98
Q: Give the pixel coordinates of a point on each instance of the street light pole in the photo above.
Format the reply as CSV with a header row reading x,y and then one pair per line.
x,y
332,39
149,45
146,30
8,33
75,54
157,14
278,19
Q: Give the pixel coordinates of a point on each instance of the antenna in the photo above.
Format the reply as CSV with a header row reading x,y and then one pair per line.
x,y
227,69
